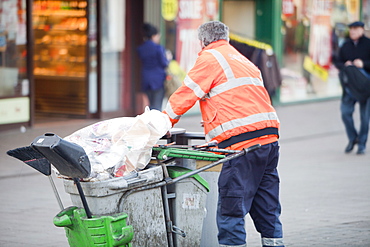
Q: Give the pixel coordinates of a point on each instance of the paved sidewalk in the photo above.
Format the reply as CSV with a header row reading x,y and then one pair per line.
x,y
325,194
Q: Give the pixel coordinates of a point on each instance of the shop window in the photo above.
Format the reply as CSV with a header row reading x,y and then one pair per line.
x,y
14,81
313,32
60,57
13,64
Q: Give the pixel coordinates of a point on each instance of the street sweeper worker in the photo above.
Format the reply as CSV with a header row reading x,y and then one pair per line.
x,y
237,113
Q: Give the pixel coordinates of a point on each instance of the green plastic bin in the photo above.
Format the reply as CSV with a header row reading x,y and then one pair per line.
x,y
187,205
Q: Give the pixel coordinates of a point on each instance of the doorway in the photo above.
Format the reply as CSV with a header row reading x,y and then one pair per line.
x,y
60,58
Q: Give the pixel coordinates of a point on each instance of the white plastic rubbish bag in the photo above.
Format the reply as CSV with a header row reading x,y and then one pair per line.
x,y
118,146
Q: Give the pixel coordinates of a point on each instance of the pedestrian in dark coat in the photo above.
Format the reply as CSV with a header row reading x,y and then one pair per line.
x,y
154,62
356,53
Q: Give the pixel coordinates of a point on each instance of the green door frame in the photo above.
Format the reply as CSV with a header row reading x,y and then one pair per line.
x,y
268,25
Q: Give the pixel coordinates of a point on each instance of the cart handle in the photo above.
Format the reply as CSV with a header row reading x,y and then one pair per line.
x,y
227,158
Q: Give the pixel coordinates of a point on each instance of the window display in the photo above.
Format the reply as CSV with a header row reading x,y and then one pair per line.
x,y
313,31
13,52
14,81
60,56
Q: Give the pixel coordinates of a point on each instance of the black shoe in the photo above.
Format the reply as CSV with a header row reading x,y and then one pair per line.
x,y
361,150
350,146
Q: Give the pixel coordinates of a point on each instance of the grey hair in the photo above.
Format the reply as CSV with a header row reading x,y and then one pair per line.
x,y
213,31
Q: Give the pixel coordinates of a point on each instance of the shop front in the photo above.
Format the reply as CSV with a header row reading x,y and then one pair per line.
x,y
313,31
304,35
66,59
79,58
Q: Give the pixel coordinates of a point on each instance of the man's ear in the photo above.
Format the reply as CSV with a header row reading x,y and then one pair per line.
x,y
201,44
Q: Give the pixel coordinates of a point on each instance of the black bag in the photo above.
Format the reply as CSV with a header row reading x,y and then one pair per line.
x,y
359,85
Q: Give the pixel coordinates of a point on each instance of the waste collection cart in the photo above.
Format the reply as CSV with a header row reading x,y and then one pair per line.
x,y
161,205
145,208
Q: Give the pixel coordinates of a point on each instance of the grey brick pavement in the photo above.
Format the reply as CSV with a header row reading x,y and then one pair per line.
x,y
325,194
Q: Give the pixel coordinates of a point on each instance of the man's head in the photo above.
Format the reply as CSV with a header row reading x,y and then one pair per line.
x,y
356,30
212,31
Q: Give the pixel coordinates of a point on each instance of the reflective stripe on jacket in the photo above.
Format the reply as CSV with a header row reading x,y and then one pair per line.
x,y
230,90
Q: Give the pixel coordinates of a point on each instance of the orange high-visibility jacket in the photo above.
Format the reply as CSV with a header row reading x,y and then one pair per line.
x,y
234,103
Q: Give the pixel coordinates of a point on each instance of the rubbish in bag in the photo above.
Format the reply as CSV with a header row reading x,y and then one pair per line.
x,y
119,146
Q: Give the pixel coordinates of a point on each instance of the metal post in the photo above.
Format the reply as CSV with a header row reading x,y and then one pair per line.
x,y
167,216
56,192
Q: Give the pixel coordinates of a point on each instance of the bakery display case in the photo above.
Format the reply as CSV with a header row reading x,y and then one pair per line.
x,y
60,56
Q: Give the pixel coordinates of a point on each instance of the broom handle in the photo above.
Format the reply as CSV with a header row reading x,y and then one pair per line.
x,y
56,192
83,198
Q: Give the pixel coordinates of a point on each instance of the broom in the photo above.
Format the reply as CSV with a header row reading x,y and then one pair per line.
x,y
37,161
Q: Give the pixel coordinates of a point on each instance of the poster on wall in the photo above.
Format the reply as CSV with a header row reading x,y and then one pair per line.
x,y
191,14
9,18
169,9
14,110
287,8
353,8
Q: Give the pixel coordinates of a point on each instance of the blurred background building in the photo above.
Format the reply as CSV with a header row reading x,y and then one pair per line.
x,y
77,58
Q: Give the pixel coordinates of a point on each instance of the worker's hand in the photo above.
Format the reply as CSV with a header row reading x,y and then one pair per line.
x,y
202,123
358,63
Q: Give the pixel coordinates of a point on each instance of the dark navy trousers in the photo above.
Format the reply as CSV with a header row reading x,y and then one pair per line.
x,y
250,184
347,108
